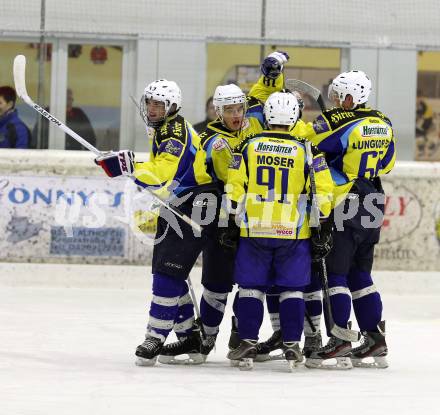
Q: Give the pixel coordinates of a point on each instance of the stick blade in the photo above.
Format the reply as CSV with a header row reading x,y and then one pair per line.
x,y
303,87
19,76
345,334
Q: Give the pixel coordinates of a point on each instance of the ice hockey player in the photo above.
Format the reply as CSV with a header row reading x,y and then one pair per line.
x,y
269,179
177,163
238,118
359,145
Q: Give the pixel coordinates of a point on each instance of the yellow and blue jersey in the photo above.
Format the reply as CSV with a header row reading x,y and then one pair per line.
x,y
270,177
176,156
357,143
254,123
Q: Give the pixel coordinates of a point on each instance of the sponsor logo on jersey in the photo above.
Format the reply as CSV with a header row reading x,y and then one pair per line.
x,y
219,144
246,124
285,149
271,229
339,116
373,130
204,203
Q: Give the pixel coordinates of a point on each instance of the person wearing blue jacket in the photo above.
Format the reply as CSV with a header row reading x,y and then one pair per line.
x,y
13,131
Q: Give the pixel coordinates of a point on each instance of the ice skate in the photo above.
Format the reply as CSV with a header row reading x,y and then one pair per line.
x,y
148,351
372,351
292,354
243,356
335,350
312,342
272,344
185,351
208,344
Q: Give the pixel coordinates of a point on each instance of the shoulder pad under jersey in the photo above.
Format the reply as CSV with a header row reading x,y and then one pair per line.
x,y
206,135
338,117
175,128
377,113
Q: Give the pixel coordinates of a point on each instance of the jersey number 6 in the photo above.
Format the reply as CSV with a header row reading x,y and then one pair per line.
x,y
370,172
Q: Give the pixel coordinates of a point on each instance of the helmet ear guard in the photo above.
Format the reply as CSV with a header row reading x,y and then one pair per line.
x,y
354,83
164,91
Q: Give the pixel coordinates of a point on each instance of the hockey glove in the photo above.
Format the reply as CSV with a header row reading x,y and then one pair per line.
x,y
116,164
272,66
322,243
228,237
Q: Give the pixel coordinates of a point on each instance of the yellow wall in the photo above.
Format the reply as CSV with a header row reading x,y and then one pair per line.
x,y
96,85
92,85
222,57
8,51
429,61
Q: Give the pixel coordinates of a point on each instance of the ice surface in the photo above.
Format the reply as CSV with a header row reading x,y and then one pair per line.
x,y
71,351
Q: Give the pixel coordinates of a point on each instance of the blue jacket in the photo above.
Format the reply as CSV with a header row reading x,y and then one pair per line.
x,y
13,131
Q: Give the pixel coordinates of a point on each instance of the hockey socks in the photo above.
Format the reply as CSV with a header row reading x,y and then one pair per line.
x,y
367,303
340,299
291,313
185,314
164,306
313,304
212,307
250,312
273,307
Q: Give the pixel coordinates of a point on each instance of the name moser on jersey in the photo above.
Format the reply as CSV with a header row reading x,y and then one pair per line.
x,y
269,178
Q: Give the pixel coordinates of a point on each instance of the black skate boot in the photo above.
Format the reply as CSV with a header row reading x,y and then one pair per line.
x,y
373,349
335,349
312,343
148,351
273,343
234,340
292,353
208,343
190,345
243,356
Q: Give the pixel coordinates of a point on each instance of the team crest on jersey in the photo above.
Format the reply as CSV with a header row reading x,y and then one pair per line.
x,y
171,147
319,164
235,163
283,149
320,125
374,130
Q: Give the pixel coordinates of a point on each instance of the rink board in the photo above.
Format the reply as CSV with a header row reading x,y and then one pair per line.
x,y
59,207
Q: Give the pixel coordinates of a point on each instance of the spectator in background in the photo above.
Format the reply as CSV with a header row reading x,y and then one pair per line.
x,y
13,131
210,116
77,120
424,126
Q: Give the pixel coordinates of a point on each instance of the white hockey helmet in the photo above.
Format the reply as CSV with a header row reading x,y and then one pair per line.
x,y
164,91
281,108
227,95
354,83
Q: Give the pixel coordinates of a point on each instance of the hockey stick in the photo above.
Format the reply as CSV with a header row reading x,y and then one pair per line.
x,y
337,331
20,87
305,88
196,308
